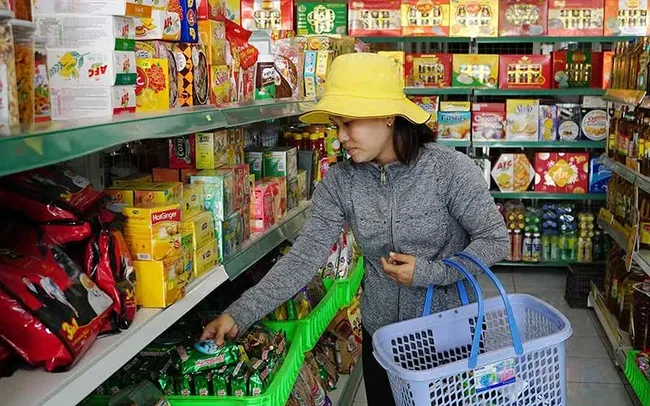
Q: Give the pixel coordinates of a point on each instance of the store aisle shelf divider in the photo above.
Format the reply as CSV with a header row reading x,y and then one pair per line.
x,y
626,173
547,196
49,143
540,144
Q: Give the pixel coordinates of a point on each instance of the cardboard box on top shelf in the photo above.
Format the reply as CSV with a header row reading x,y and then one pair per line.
x,y
513,173
210,9
212,34
201,226
201,75
562,172
470,18
78,67
70,103
267,15
624,17
577,69
475,70
152,92
488,121
429,18
397,57
161,25
154,233
184,74
218,190
160,283
212,149
522,119
130,8
322,18
374,18
220,90
575,18
182,152
161,50
525,72
519,18
428,70
85,31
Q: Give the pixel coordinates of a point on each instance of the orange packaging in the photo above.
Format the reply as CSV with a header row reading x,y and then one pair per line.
x,y
428,70
627,17
607,69
575,18
425,18
165,175
152,86
525,72
522,18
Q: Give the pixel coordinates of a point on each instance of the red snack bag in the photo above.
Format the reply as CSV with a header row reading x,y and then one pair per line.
x,y
49,194
52,310
240,49
109,264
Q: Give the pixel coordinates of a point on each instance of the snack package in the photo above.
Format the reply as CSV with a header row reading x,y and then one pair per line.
x,y
108,262
577,69
548,122
513,172
626,18
428,70
525,72
52,310
522,119
430,105
289,62
475,70
471,18
161,50
322,18
575,17
429,18
562,172
488,121
49,194
374,18
267,15
522,18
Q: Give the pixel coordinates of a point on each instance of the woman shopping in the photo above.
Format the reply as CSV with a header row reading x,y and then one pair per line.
x,y
409,202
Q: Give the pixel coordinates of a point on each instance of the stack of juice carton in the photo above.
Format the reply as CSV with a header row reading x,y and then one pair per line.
x,y
276,184
90,55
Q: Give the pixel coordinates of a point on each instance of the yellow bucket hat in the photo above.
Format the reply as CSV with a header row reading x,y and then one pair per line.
x,y
364,85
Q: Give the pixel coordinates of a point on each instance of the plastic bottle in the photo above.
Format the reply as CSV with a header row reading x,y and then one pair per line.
x,y
581,249
597,247
537,248
589,250
297,140
511,239
636,275
546,247
555,248
516,246
527,252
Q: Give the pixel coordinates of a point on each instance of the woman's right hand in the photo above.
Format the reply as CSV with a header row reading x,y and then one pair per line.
x,y
219,328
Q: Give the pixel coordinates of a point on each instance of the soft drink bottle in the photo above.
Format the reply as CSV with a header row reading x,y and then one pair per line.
x,y
527,253
546,247
537,248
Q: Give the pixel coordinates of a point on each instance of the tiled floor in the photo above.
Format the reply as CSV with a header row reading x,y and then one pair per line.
x,y
592,378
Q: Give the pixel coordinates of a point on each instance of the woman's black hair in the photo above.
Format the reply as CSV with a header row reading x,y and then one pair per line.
x,y
408,138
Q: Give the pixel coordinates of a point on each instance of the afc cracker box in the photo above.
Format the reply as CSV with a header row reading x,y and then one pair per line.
x,y
575,18
425,18
525,72
522,18
428,70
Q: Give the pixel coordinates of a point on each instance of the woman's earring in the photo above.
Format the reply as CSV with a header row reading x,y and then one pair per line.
x,y
389,124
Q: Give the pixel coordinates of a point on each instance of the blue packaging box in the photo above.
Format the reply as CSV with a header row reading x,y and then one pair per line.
x,y
599,176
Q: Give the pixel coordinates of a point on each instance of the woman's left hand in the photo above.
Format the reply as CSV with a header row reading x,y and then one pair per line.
x,y
400,268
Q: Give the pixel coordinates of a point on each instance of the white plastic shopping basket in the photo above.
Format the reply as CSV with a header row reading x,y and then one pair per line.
x,y
517,359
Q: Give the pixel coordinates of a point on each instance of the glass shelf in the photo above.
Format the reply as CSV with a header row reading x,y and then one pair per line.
x,y
432,91
548,196
541,144
58,141
540,92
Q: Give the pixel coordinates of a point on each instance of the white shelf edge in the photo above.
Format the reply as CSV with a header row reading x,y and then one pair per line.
x,y
105,356
619,340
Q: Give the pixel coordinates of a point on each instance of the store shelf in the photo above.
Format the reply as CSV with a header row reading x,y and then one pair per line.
x,y
642,258
546,264
400,39
261,244
619,339
519,40
49,143
624,96
617,235
540,92
541,144
626,173
433,91
548,196
455,143
105,356
347,386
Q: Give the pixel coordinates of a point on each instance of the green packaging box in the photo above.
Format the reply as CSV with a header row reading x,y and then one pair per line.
x,y
219,191
322,18
281,161
255,159
229,234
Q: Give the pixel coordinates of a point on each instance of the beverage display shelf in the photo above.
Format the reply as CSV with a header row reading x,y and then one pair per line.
x,y
49,143
541,144
626,173
575,92
548,196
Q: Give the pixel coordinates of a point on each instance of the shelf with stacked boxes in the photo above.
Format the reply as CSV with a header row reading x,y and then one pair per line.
x,y
541,144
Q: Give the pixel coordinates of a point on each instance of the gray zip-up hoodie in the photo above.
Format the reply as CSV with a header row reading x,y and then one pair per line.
x,y
432,209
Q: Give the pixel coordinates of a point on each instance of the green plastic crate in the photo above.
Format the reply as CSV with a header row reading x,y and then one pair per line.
x,y
636,378
339,294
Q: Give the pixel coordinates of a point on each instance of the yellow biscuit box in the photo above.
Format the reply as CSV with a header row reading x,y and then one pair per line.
x,y
201,227
157,194
192,204
160,283
154,233
120,198
206,258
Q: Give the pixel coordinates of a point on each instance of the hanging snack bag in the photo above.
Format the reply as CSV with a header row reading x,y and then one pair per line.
x,y
53,311
49,194
109,264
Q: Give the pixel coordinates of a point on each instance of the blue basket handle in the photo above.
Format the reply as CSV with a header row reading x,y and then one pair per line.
x,y
464,300
514,330
473,358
